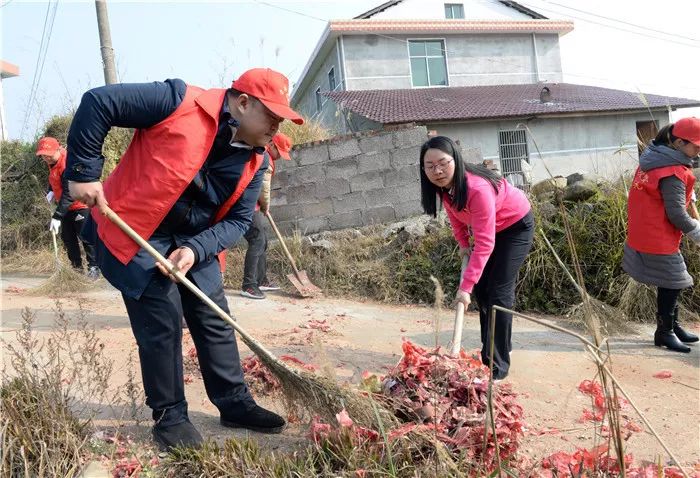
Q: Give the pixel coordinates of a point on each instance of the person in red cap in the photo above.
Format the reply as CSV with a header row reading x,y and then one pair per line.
x,y
658,216
255,279
188,183
69,216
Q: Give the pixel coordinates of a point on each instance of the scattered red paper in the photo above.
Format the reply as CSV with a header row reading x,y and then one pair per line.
x,y
13,289
127,468
321,325
663,374
188,378
294,360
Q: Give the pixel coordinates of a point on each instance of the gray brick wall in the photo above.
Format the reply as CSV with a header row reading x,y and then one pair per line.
x,y
352,181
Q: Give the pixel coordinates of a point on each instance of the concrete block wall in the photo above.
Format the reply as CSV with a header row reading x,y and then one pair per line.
x,y
350,181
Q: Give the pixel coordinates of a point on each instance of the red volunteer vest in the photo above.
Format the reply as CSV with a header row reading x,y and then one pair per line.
x,y
55,176
648,228
159,164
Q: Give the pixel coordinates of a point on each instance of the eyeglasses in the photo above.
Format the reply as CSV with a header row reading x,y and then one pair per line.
x,y
432,169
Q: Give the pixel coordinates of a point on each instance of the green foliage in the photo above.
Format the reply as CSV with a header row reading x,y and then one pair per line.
x,y
58,127
25,213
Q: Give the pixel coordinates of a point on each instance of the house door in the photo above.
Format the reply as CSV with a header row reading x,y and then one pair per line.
x,y
646,131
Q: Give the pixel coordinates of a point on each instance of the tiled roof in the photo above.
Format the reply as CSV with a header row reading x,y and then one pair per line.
x,y
497,101
450,26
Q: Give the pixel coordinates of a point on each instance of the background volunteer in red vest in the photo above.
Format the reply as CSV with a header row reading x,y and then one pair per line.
x,y
69,216
188,183
657,211
255,279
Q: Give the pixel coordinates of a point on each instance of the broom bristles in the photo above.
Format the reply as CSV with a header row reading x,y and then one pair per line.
x,y
64,280
322,395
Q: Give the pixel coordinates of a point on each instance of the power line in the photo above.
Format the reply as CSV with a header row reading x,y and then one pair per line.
x,y
40,61
612,26
493,60
622,21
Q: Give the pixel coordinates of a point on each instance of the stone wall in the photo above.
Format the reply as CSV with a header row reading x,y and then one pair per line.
x,y
349,181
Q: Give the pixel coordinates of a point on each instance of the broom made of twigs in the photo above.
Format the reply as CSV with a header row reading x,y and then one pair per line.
x,y
600,311
311,392
64,280
604,364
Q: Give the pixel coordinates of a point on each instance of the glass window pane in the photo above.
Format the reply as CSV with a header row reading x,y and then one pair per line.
x,y
419,72
458,11
331,79
434,48
438,71
448,11
416,48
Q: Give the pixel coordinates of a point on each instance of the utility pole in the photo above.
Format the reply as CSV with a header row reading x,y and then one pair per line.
x,y
106,42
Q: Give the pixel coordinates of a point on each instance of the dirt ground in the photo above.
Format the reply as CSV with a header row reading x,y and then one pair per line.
x,y
547,366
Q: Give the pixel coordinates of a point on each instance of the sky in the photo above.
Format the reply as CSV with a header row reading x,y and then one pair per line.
x,y
626,44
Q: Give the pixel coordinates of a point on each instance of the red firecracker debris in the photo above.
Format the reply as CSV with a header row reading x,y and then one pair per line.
x,y
127,468
663,374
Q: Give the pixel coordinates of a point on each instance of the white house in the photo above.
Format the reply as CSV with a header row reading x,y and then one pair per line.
x,y
486,73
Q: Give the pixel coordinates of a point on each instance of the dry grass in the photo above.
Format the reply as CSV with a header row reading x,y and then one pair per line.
x,y
310,131
44,426
638,301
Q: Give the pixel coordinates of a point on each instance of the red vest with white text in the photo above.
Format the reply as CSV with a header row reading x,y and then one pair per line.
x,y
648,227
159,164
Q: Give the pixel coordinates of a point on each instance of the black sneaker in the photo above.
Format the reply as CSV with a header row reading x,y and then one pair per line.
x,y
253,417
182,434
252,292
269,285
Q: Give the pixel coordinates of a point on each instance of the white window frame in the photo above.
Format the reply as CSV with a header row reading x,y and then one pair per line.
x,y
328,75
447,63
452,5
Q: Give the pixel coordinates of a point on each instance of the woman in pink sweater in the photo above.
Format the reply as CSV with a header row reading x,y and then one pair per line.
x,y
495,217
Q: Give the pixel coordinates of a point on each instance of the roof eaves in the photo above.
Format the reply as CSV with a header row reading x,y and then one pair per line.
x,y
304,74
449,26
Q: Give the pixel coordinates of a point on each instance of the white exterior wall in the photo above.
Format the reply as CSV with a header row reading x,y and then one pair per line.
x,y
433,10
604,145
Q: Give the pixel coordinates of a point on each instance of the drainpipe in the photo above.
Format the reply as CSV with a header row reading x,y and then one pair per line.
x,y
537,62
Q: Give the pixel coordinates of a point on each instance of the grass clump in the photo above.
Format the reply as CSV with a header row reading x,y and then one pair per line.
x,y
45,421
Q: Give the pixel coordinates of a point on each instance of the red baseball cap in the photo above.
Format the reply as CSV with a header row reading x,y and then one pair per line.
x,y
271,88
687,129
283,144
47,146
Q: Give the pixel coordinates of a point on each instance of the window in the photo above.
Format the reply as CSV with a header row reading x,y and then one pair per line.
x,y
331,79
319,100
454,10
428,67
515,159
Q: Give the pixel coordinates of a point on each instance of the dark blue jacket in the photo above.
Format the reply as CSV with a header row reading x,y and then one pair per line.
x,y
189,222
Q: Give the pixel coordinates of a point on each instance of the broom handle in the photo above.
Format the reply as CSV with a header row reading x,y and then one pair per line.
x,y
55,246
112,216
459,315
284,246
568,274
457,335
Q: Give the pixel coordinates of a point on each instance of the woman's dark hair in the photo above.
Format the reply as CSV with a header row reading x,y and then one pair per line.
x,y
665,136
429,191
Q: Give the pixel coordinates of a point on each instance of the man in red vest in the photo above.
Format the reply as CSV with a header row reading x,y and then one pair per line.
x,y
255,279
188,183
69,216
